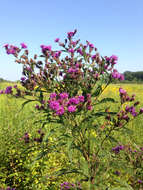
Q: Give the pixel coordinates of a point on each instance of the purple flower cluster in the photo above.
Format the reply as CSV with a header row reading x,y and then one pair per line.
x,y
70,186
23,45
125,97
45,48
71,34
71,50
9,188
72,70
131,109
8,90
79,50
112,59
67,185
10,49
116,75
117,149
61,102
56,54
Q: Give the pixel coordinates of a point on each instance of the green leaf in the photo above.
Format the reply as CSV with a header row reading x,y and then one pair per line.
x,y
100,114
104,100
97,91
41,96
26,102
46,138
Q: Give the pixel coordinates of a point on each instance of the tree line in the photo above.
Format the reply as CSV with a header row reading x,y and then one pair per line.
x,y
133,76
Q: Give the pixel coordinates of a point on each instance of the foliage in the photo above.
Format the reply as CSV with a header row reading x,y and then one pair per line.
x,y
134,76
80,125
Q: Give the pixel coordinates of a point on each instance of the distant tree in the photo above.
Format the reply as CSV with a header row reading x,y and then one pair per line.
x,y
1,79
133,76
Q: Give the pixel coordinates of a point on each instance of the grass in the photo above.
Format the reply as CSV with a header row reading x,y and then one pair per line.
x,y
14,122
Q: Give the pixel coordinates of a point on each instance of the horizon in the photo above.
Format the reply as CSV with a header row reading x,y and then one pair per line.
x,y
113,27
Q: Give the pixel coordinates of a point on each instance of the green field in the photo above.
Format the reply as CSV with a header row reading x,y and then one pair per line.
x,y
14,122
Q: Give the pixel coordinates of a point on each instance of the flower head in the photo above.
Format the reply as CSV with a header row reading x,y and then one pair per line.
x,y
64,95
71,108
53,95
60,110
73,100
54,105
8,90
122,91
57,40
23,45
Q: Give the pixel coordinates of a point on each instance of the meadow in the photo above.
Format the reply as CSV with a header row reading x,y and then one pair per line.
x,y
18,166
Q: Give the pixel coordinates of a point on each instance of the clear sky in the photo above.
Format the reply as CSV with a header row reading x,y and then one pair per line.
x,y
113,26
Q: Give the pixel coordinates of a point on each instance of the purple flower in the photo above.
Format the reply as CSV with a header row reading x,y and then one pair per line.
x,y
91,45
114,57
126,117
136,103
117,149
23,79
53,95
93,57
134,114
117,173
54,105
89,107
81,98
122,91
116,75
73,101
8,90
71,50
107,59
11,50
73,43
71,70
1,92
67,185
60,110
64,95
37,106
56,54
6,46
28,69
141,110
23,45
140,181
15,86
9,188
57,40
70,34
80,51
121,77
45,48
71,108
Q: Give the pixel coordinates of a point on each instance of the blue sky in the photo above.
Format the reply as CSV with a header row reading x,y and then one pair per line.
x,y
114,26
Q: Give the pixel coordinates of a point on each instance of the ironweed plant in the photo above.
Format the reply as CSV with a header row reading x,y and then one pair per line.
x,y
66,86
